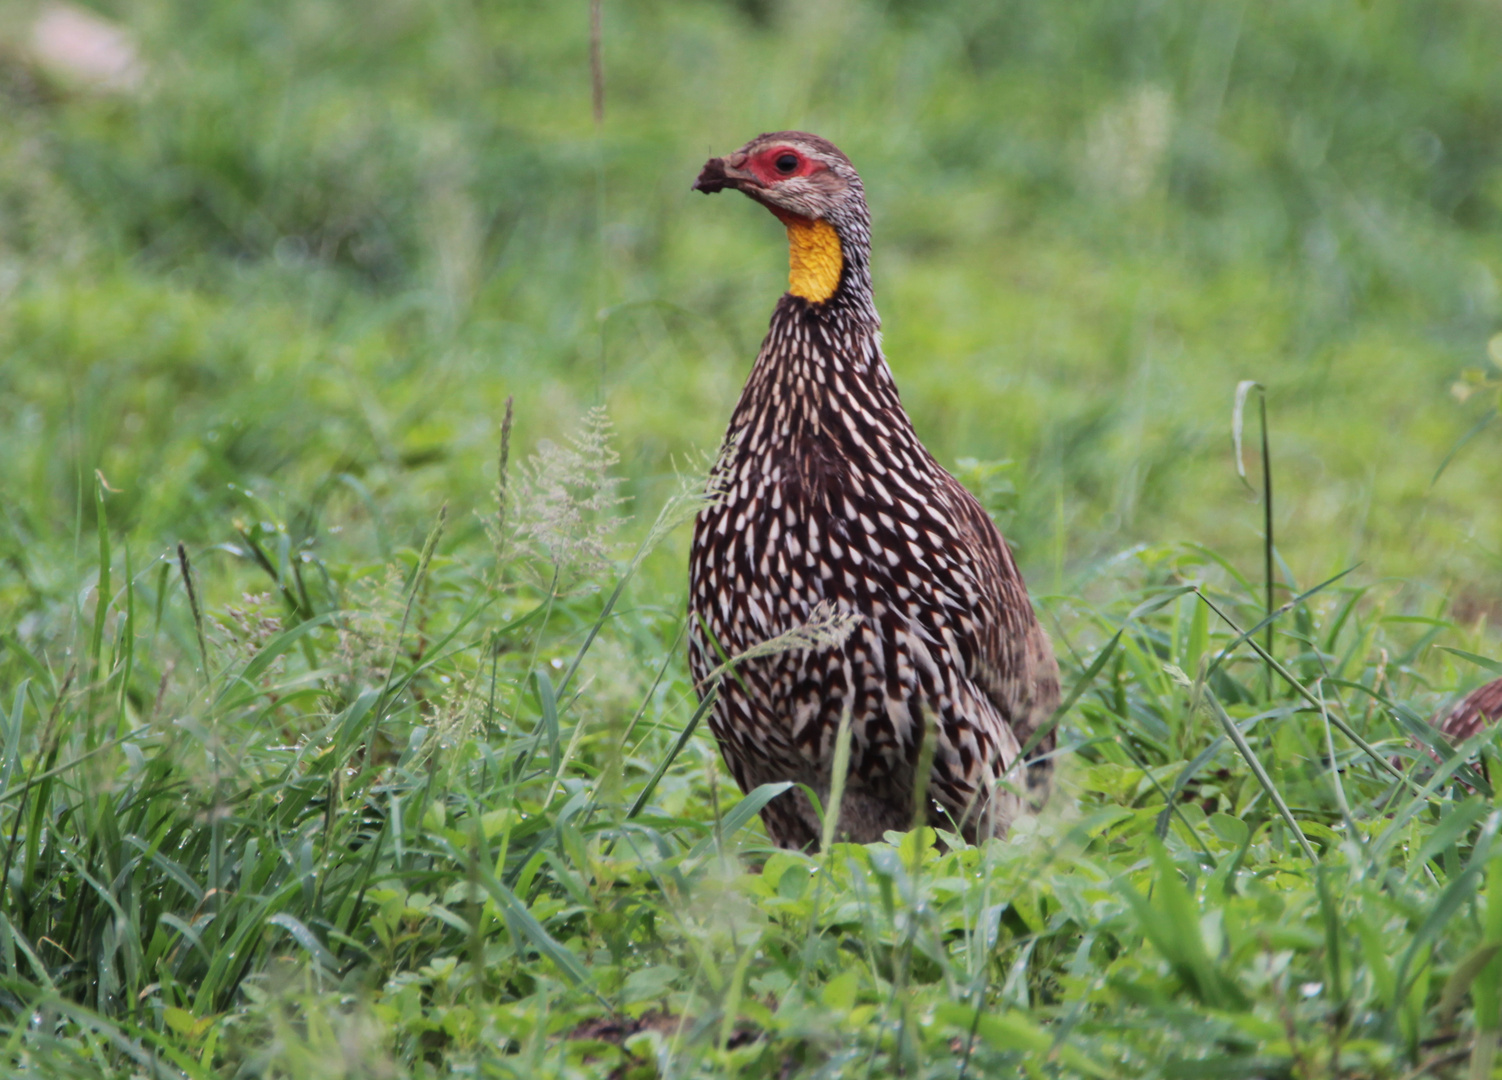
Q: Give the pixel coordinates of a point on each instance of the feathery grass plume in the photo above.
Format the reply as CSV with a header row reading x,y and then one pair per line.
x,y
253,624
826,628
565,502
689,497
373,609
452,720
692,493
497,527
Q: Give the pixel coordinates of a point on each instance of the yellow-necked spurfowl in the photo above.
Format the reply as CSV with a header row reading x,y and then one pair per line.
x,y
1480,707
829,496
1470,715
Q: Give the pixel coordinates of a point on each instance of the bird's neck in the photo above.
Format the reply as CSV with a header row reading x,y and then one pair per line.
x,y
816,260
826,267
820,370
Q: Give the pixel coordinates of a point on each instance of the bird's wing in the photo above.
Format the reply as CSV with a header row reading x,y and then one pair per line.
x,y
1013,661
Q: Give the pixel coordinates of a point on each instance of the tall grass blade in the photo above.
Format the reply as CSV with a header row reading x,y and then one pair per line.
x,y
1083,683
548,729
1483,662
740,815
645,795
525,927
1237,420
102,588
419,573
306,938
1253,763
1486,995
1304,692
839,770
1456,893
1476,429
186,570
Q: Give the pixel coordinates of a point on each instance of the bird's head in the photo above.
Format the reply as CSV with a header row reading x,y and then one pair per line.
x,y
791,173
814,190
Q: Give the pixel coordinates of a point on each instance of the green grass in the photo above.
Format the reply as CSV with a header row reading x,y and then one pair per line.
x,y
410,783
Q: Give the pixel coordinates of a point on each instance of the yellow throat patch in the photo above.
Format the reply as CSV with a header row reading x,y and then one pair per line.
x,y
814,259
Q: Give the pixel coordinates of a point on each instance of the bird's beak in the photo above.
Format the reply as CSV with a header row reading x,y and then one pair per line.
x,y
721,173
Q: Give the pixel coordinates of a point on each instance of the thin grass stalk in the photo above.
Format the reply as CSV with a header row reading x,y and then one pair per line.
x,y
1345,728
563,762
1267,526
668,518
1261,774
597,108
129,643
735,991
1237,419
594,799
1476,429
46,752
503,485
682,741
298,606
101,606
392,819
667,661
1335,781
1486,993
839,771
901,985
1251,632
978,1000
520,765
1334,962
187,573
428,548
596,63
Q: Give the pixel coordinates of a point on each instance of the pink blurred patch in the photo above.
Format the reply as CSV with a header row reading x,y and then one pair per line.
x,y
82,48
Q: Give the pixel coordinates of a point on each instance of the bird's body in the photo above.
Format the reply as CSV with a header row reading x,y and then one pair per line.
x,y
1467,718
828,497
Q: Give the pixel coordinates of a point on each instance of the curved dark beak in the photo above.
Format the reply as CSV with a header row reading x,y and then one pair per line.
x,y
719,174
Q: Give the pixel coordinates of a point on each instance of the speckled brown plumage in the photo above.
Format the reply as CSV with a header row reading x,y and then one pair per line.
x,y
831,497
1480,707
1468,717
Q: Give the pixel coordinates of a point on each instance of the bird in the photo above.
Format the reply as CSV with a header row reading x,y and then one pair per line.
x,y
825,499
1467,718
1473,712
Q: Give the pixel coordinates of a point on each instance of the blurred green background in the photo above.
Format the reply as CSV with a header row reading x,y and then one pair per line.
x,y
307,249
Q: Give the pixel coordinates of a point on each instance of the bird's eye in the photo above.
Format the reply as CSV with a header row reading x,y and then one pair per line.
x,y
786,163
